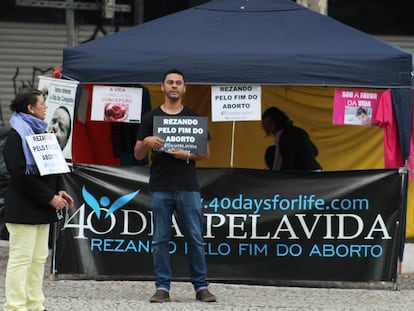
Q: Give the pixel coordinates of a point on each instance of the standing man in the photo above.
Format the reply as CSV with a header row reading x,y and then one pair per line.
x,y
174,187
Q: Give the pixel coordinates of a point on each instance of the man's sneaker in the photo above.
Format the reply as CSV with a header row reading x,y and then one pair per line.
x,y
160,296
204,295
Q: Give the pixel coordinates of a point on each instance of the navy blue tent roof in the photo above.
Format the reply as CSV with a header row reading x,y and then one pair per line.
x,y
241,41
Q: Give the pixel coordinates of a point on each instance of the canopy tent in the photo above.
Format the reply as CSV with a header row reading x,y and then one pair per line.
x,y
240,41
268,42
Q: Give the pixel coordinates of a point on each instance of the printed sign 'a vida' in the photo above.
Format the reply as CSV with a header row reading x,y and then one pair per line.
x,y
116,104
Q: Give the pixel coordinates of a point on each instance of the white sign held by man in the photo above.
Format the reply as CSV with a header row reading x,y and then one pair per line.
x,y
185,133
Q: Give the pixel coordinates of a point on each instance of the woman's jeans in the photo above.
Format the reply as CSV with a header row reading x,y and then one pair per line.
x,y
28,251
187,204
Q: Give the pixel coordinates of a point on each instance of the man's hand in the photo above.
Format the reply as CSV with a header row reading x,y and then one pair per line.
x,y
153,142
180,154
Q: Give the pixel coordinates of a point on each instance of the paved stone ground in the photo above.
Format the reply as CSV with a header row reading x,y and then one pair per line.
x,y
90,295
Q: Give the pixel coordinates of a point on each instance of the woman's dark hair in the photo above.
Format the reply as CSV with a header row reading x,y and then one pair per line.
x,y
24,98
173,71
279,119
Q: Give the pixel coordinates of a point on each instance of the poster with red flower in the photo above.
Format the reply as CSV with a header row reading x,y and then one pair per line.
x,y
116,104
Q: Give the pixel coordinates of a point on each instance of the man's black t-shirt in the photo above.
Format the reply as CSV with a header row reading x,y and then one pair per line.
x,y
168,173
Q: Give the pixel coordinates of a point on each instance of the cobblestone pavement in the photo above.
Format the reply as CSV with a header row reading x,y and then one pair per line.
x,y
92,295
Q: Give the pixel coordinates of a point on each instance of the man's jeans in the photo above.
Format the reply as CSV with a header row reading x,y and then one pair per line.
x,y
187,204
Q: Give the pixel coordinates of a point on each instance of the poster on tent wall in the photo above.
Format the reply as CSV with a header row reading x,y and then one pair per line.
x,y
60,98
259,226
355,106
116,104
236,103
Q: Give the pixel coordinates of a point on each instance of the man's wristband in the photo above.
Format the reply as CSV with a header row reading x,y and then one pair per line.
x,y
188,157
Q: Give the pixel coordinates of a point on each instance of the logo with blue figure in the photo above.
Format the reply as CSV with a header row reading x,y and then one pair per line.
x,y
82,219
105,201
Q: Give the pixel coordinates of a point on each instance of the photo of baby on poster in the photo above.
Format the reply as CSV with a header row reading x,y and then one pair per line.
x,y
358,115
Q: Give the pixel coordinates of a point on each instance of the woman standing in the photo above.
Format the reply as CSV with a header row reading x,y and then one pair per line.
x,y
31,203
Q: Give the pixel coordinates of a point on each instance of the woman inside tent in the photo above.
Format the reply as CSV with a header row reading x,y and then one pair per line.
x,y
293,150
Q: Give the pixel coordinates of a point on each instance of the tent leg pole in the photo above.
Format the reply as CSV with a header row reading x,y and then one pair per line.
x,y
397,285
404,188
232,144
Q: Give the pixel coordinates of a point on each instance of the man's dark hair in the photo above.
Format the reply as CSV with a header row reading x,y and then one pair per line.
x,y
173,71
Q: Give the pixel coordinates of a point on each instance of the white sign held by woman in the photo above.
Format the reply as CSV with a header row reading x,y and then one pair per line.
x,y
47,154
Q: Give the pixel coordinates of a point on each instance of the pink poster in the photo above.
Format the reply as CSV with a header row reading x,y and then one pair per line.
x,y
355,107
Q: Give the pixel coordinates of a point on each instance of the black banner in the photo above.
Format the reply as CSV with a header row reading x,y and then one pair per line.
x,y
259,226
